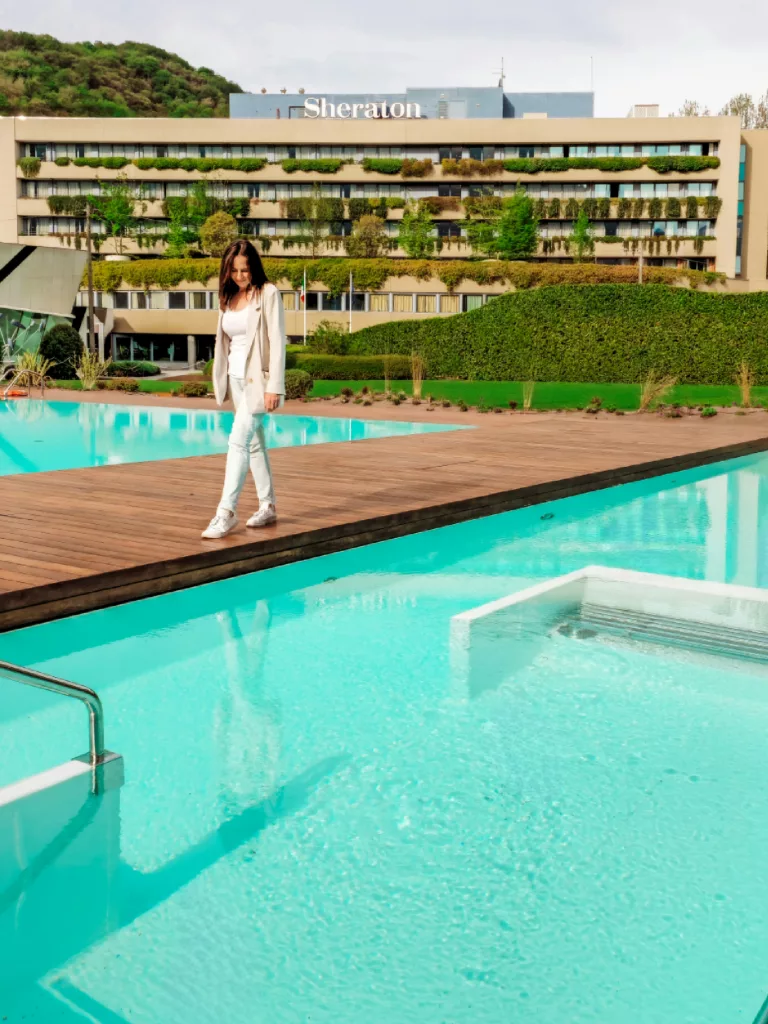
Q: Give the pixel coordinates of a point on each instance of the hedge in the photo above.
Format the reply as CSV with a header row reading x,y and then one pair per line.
x,y
600,333
370,274
358,367
132,368
298,383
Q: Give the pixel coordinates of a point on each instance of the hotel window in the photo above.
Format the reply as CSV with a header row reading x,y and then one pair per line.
x,y
526,151
450,303
199,300
379,303
312,300
579,150
177,300
121,300
158,300
695,149
138,300
426,303
358,301
402,303
472,302
331,302
289,300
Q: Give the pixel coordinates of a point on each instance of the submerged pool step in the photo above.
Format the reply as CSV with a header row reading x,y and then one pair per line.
x,y
703,637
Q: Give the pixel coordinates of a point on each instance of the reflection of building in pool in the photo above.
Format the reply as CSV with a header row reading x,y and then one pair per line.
x,y
38,286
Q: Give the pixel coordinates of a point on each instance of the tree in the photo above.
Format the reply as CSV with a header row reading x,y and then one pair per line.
x,y
511,232
752,113
116,207
415,233
692,108
581,240
317,213
218,232
518,228
64,347
368,239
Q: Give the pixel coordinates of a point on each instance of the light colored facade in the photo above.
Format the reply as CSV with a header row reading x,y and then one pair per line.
x,y
714,216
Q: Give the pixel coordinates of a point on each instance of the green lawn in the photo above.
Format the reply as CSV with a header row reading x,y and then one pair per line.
x,y
549,396
501,393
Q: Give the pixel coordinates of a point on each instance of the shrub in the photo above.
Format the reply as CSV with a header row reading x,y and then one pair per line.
x,y
707,412
298,383
416,168
208,369
118,384
322,166
328,338
383,166
600,333
194,389
218,232
335,367
63,346
129,368
29,166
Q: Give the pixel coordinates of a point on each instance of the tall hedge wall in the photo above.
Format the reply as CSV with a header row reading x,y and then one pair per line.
x,y
601,333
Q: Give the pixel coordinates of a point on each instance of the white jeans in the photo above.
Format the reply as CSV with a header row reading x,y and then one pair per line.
x,y
246,447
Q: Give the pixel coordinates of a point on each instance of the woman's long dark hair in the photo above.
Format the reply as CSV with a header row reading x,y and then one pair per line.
x,y
227,287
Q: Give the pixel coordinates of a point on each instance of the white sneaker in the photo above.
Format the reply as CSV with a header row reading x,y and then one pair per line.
x,y
221,524
266,515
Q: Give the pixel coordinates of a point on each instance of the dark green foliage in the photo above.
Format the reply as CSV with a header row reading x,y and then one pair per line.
x,y
600,333
41,76
298,383
360,367
64,346
328,338
208,369
129,368
660,164
71,206
324,166
383,166
673,208
118,384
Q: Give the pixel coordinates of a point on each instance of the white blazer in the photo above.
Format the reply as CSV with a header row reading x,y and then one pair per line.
x,y
265,361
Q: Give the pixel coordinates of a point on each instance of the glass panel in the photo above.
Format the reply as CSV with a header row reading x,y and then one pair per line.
x,y
158,300
177,300
426,303
379,303
450,303
199,300
289,300
138,300
312,300
402,303
473,302
332,302
695,149
358,302
121,300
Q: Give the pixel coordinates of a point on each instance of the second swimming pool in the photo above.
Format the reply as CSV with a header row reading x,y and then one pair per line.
x,y
36,436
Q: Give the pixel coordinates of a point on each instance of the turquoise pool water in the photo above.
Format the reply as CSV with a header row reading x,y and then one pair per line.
x,y
36,436
320,823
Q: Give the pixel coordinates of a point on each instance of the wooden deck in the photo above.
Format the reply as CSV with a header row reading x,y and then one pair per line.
x,y
77,540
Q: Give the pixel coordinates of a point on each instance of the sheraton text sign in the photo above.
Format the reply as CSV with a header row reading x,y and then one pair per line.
x,y
318,107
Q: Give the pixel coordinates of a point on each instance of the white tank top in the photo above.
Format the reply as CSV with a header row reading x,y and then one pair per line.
x,y
235,324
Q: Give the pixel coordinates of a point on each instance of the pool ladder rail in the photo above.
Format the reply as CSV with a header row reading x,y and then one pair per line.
x,y
98,756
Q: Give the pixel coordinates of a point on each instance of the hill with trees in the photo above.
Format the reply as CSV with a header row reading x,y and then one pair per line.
x,y
41,76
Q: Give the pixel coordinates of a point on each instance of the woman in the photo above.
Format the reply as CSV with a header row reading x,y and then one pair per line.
x,y
249,365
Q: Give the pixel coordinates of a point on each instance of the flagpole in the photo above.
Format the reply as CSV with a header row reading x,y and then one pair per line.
x,y
304,298
350,301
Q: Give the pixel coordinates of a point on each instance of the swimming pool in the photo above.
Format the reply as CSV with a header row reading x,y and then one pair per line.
x,y
36,436
320,824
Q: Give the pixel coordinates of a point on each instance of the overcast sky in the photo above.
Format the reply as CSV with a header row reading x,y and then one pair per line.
x,y
660,51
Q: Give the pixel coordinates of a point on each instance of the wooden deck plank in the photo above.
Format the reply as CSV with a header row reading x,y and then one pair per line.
x,y
87,538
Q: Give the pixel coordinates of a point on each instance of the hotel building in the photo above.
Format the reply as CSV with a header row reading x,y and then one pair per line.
x,y
681,192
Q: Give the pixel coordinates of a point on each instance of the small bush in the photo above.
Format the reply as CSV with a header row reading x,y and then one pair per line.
x,y
708,411
29,166
331,367
298,383
208,369
118,384
194,389
64,347
129,368
328,338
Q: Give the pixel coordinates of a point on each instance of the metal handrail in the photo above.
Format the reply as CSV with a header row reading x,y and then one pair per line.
x,y
82,693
